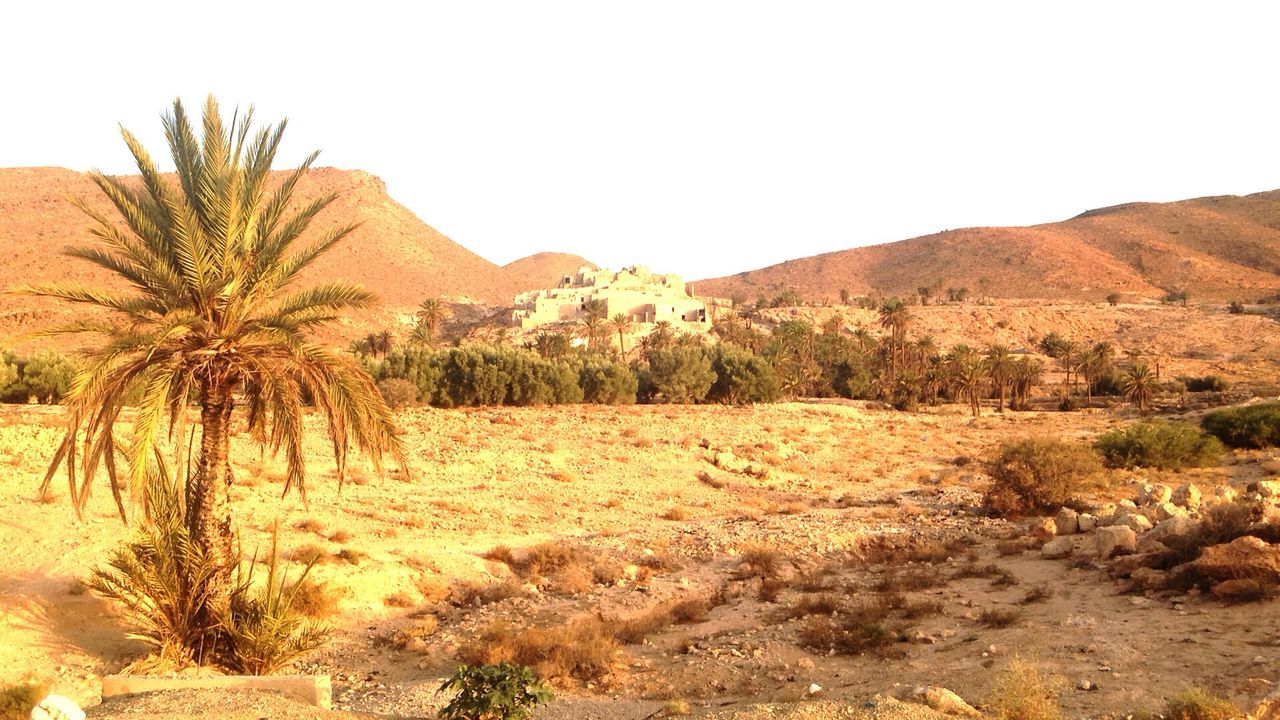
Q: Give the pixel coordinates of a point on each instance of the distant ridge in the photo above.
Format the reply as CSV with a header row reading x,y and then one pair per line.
x,y
1221,247
544,269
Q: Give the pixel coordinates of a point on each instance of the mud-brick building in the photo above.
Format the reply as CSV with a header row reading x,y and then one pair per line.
x,y
643,296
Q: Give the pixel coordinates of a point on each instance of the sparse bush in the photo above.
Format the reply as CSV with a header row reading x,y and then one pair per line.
x,y
1039,475
398,392
1206,383
17,700
315,599
999,617
760,561
475,594
1022,692
1113,299
583,650
858,630
1248,426
48,376
1159,444
1200,704
1235,307
493,692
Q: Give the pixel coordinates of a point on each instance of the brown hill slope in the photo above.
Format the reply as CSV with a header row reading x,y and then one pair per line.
x,y
1216,247
545,269
393,252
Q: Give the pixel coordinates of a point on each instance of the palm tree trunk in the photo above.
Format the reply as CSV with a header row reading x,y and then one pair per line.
x,y
208,491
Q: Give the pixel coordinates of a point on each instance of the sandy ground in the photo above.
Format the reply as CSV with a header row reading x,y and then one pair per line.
x,y
817,482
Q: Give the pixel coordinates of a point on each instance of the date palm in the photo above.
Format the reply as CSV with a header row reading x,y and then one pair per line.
x,y
594,314
207,261
999,364
621,323
431,314
1139,385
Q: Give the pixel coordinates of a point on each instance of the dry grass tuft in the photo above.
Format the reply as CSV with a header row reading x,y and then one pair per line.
x,y
399,599
310,525
999,617
416,636
316,599
760,561
1200,704
1022,692
582,650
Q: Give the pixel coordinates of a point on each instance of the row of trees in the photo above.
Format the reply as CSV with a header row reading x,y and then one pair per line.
x,y
45,377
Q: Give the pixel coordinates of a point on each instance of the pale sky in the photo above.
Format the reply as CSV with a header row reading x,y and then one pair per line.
x,y
701,138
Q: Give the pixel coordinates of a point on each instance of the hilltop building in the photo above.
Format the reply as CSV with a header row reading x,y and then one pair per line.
x,y
643,296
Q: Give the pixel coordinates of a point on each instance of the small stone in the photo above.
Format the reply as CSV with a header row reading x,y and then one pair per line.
x,y
1087,685
1174,527
1167,510
1086,523
1154,494
1057,548
1043,528
1266,488
1067,522
814,689
1137,523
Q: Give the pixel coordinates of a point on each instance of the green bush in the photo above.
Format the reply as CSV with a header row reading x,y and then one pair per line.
x,y
1039,475
678,375
48,376
1248,426
1208,383
1159,444
607,383
493,692
742,377
398,392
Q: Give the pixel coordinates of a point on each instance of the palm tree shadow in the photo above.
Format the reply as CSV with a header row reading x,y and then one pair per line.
x,y
61,618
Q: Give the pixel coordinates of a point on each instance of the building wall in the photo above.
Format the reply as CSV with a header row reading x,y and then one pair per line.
x,y
635,292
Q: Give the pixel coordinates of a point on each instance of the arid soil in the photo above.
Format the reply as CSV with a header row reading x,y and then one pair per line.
x,y
660,505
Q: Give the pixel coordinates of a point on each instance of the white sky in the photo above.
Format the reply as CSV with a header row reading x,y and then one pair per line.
x,y
702,138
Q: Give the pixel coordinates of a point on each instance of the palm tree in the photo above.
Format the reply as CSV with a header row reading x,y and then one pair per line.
x,y
594,312
1026,374
621,324
1139,384
421,334
431,313
206,261
968,374
1000,369
1069,349
894,317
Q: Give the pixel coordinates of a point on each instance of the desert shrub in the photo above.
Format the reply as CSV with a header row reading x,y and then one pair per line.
x,y
1200,704
1235,307
9,376
160,579
999,617
1022,692
607,383
1159,444
742,377
677,375
1206,383
493,692
315,599
1113,299
1039,475
17,700
1249,426
416,365
48,376
1109,383
856,630
1219,525
398,392
582,650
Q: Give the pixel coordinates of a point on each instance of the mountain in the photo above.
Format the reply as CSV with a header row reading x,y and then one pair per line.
x,y
393,252
1220,248
545,269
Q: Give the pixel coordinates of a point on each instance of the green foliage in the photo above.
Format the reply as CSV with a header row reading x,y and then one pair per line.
x,y
1200,704
1054,345
1039,475
678,375
17,700
1207,383
398,392
493,692
162,580
1159,444
45,376
9,376
742,377
607,383
1248,426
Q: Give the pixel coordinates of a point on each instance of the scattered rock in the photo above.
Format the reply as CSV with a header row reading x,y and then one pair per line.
x,y
1164,511
1245,557
1043,528
1067,522
814,689
1268,708
1147,578
1187,495
1057,548
1238,589
1114,540
1174,527
1154,494
1266,488
1126,565
937,698
1137,523
1086,523
57,707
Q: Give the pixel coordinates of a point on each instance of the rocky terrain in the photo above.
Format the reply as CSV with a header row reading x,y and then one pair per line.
x,y
1219,248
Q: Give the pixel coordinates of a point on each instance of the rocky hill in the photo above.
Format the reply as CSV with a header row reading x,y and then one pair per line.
x,y
545,269
1219,248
